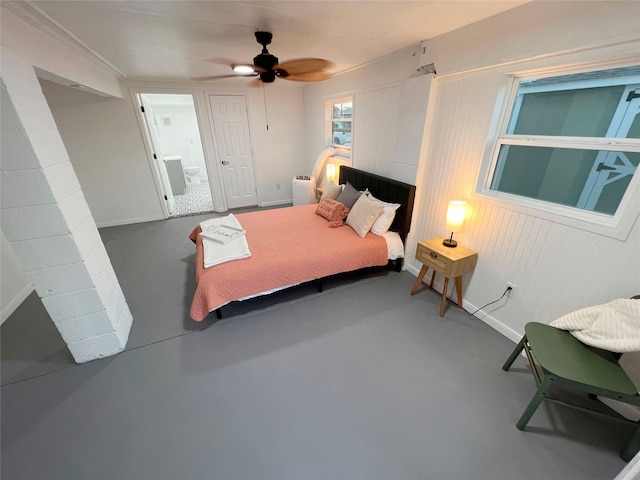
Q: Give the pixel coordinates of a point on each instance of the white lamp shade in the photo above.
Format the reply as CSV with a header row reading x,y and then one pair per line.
x,y
455,216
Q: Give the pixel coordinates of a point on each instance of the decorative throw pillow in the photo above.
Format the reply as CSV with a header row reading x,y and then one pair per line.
x,y
384,221
349,195
331,191
333,211
363,215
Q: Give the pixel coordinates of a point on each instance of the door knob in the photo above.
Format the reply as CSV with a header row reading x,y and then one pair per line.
x,y
224,162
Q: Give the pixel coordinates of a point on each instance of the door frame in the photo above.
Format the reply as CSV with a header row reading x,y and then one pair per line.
x,y
149,150
202,116
153,153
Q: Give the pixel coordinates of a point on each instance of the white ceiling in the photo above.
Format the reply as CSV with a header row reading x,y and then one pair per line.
x,y
180,39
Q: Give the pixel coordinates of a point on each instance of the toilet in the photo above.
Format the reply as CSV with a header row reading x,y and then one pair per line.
x,y
190,173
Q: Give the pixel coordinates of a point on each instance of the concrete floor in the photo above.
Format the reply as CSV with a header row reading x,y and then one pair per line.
x,y
361,381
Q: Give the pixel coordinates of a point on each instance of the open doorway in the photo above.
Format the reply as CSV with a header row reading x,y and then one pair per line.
x,y
173,133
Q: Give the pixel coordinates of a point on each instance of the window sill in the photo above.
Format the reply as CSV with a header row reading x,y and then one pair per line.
x,y
341,151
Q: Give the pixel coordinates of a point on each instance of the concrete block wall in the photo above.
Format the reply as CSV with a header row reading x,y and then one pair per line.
x,y
49,225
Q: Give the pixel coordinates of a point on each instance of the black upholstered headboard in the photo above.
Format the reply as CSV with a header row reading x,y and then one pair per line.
x,y
387,190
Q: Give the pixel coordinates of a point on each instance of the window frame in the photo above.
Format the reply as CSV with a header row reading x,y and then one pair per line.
x,y
616,226
343,150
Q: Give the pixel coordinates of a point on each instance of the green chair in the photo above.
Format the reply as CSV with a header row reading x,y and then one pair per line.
x,y
559,359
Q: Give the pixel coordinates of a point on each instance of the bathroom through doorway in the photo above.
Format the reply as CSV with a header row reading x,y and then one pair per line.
x,y
174,136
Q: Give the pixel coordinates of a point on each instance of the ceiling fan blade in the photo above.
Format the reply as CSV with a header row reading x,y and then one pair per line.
x,y
308,77
217,77
222,61
256,68
303,65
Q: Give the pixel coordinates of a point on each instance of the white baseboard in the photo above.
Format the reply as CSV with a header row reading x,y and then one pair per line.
x,y
494,323
15,302
469,307
631,471
130,221
410,268
276,202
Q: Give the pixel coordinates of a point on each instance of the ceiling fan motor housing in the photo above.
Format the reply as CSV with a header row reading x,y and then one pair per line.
x,y
265,60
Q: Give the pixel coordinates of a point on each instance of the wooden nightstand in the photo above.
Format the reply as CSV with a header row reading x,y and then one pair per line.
x,y
319,192
451,262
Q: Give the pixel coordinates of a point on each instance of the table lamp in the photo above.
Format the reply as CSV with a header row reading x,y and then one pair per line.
x,y
331,172
455,219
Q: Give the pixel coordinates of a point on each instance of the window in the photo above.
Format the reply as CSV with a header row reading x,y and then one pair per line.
x,y
339,121
570,141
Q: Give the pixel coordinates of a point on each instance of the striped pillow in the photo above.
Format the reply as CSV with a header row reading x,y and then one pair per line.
x,y
333,211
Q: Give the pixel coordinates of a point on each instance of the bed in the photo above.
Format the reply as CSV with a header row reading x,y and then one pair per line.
x,y
292,245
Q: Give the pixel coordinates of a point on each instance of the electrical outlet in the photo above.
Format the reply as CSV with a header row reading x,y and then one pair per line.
x,y
511,292
277,186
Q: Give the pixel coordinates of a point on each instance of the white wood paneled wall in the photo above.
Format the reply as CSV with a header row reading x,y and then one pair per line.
x,y
278,151
557,268
412,109
375,124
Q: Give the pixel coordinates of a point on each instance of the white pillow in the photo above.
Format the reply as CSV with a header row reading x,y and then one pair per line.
x,y
331,191
384,221
363,215
395,247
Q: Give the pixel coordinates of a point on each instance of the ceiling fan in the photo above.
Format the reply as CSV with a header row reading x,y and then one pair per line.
x,y
266,66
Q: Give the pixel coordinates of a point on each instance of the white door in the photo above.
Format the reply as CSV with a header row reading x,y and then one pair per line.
x,y
151,124
231,130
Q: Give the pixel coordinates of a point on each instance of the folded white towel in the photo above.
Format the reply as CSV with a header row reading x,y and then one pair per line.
x,y
614,326
222,233
216,252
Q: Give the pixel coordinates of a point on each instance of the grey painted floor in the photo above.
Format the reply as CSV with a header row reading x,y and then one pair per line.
x,y
361,381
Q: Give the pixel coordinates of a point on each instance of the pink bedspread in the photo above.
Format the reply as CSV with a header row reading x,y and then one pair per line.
x,y
288,246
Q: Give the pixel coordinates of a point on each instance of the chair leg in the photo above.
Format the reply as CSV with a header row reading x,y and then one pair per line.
x,y
533,404
514,354
632,447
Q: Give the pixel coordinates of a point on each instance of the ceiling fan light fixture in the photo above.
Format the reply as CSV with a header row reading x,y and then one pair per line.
x,y
243,69
268,77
